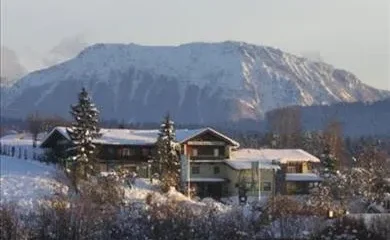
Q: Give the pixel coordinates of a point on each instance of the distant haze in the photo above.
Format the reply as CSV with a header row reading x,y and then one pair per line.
x,y
349,34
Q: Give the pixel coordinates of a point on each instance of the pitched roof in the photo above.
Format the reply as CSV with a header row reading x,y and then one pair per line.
x,y
267,158
278,155
183,135
140,137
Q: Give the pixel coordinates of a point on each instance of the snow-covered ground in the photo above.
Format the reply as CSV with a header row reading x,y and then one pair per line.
x,y
26,182
21,142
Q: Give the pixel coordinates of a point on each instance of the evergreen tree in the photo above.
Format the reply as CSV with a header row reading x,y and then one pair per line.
x,y
167,158
84,129
328,162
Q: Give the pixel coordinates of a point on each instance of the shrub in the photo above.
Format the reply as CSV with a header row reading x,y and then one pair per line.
x,y
10,225
348,228
381,225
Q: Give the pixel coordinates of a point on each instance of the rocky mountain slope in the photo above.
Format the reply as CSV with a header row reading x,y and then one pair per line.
x,y
197,83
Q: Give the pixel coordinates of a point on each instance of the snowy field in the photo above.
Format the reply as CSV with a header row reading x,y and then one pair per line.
x,y
26,182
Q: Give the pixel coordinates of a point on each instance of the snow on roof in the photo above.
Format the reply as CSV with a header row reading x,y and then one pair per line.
x,y
243,165
279,155
61,130
303,177
127,137
139,137
183,135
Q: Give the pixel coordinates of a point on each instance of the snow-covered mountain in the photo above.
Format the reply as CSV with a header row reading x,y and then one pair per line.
x,y
197,83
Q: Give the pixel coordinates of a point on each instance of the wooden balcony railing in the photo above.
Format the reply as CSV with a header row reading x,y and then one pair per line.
x,y
207,157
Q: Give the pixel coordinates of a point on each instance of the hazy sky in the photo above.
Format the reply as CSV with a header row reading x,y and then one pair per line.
x,y
350,34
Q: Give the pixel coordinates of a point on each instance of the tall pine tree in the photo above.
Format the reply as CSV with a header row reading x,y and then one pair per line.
x,y
167,157
329,162
84,129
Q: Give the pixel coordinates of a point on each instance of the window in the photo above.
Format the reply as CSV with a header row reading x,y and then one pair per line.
x,y
127,152
216,152
248,185
216,170
110,150
309,167
145,152
291,169
194,152
195,170
267,186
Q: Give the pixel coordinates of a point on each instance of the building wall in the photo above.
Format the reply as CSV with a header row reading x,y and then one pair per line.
x,y
206,170
234,177
129,154
206,152
297,167
238,176
292,188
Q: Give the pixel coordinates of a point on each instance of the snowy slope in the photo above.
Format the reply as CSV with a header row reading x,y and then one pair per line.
x,y
26,182
197,82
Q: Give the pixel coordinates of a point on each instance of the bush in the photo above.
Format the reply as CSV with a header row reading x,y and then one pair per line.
x,y
381,225
348,228
10,227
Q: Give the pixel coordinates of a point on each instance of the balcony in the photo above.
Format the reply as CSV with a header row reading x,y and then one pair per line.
x,y
207,157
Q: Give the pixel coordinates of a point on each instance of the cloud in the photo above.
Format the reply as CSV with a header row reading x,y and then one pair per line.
x,y
65,50
10,67
313,56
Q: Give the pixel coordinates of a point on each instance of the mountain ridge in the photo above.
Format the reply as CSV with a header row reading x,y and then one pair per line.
x,y
196,82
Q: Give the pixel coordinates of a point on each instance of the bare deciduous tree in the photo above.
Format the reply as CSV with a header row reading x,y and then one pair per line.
x,y
35,125
54,121
371,173
286,123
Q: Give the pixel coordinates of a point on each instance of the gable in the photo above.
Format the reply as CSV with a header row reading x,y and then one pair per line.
x,y
54,139
207,136
212,137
